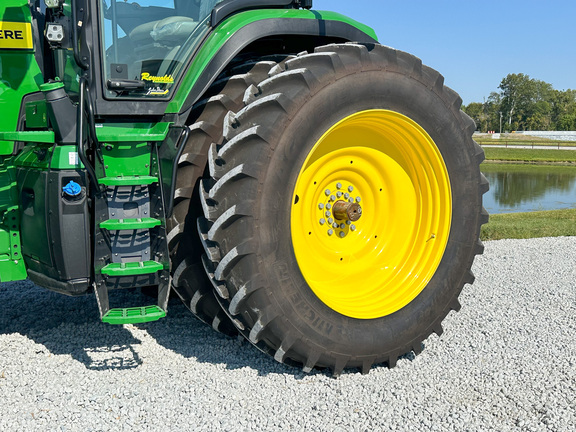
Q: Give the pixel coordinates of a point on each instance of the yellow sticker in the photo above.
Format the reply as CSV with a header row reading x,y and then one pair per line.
x,y
15,35
166,79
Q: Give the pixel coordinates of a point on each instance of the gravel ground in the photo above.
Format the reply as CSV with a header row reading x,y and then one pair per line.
x,y
506,362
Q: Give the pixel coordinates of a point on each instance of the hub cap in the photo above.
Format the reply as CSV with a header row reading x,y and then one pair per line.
x,y
371,214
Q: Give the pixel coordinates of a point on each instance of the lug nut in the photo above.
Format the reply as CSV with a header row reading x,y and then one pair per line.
x,y
346,195
335,225
330,232
321,206
328,206
358,199
342,225
339,194
327,192
330,220
338,185
322,221
352,227
332,198
350,188
327,213
342,234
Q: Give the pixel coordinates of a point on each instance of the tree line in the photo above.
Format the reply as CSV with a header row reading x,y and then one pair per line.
x,y
522,104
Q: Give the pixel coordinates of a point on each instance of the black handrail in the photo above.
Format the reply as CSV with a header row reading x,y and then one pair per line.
x,y
79,60
80,138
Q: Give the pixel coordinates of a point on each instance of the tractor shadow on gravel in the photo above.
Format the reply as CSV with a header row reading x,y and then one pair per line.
x,y
65,326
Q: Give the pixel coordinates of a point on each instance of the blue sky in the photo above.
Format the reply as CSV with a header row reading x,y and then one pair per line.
x,y
475,44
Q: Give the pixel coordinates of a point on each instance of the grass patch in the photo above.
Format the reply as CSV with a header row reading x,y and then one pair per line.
x,y
531,169
530,155
553,223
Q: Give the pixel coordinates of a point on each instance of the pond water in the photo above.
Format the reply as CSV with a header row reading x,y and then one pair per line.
x,y
524,188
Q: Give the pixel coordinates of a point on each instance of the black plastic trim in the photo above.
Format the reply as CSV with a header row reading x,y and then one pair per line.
x,y
228,7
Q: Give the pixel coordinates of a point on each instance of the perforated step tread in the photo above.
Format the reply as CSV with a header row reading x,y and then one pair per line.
x,y
130,224
132,269
133,315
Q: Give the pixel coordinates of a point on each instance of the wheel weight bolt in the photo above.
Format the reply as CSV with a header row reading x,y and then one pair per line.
x,y
343,210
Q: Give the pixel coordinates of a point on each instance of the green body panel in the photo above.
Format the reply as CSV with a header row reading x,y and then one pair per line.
x,y
35,156
230,26
12,265
46,137
36,115
42,157
19,73
65,158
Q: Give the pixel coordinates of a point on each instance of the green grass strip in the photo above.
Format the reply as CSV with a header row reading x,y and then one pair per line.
x,y
530,155
553,223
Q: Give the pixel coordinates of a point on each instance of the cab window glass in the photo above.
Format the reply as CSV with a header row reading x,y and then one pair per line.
x,y
147,43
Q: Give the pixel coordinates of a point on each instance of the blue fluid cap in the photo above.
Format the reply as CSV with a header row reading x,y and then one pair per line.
x,y
72,189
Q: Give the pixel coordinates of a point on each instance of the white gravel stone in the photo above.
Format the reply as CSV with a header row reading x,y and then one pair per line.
x,y
506,362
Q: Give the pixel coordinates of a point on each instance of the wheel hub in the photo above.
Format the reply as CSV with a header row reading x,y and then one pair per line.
x,y
338,209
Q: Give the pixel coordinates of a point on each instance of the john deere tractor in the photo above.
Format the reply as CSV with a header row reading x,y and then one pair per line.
x,y
286,176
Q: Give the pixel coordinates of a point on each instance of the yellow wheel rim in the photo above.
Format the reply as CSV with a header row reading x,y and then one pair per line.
x,y
376,265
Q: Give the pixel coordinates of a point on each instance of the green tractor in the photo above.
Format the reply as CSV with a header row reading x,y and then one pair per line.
x,y
287,177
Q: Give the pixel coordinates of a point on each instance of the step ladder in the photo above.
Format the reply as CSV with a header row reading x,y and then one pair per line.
x,y
130,246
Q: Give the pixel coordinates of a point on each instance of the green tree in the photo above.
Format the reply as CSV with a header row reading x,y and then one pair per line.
x,y
563,109
525,102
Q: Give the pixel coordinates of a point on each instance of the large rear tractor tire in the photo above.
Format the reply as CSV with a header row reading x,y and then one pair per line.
x,y
188,276
344,208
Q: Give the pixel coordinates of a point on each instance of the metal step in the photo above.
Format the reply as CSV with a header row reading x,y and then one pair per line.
x,y
132,269
128,180
130,224
133,315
